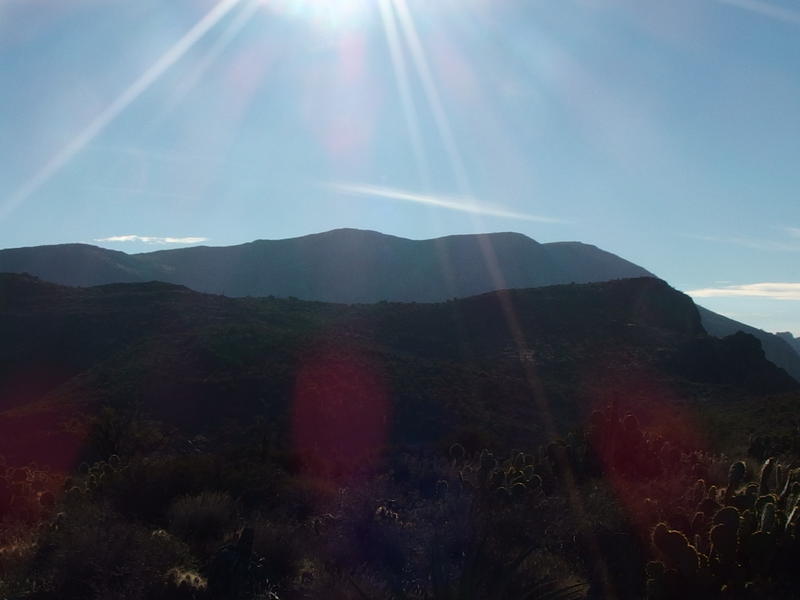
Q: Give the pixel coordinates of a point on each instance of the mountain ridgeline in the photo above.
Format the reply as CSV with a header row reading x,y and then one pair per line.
x,y
345,265
355,266
793,342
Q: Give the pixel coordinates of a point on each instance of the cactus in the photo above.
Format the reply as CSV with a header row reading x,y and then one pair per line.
x,y
709,504
676,550
519,461
699,522
656,588
735,478
768,520
724,535
699,491
497,479
766,471
180,584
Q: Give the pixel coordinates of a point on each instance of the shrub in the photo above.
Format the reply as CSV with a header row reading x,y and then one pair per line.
x,y
202,519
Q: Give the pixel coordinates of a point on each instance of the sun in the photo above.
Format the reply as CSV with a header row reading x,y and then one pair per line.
x,y
325,14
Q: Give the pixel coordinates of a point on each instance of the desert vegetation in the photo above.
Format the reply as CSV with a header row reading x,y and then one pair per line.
x,y
612,510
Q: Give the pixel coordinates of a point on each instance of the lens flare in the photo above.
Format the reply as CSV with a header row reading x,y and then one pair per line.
x,y
325,14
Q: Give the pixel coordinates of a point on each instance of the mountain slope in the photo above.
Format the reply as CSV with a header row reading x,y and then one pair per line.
x,y
775,348
352,266
74,264
790,339
505,363
343,265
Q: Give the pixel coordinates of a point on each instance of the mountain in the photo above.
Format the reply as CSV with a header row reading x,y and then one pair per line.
x,y
356,266
503,363
344,265
790,339
776,347
73,264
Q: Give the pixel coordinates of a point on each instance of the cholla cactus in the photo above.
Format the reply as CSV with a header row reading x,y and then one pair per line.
x,y
184,583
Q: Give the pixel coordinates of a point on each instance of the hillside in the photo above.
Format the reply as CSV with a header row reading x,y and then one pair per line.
x,y
790,339
151,434
776,347
509,363
354,266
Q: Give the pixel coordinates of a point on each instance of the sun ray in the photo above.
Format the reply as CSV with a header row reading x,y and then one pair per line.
x,y
228,35
538,392
422,65
400,69
123,101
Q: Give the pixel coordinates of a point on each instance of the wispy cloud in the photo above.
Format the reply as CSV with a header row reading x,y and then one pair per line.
x,y
148,239
774,291
754,243
793,231
766,9
457,203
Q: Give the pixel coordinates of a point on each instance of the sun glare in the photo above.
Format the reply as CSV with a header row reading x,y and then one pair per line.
x,y
327,14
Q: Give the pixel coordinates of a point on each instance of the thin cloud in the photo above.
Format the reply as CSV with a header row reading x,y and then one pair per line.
x,y
774,291
793,231
460,204
766,9
148,239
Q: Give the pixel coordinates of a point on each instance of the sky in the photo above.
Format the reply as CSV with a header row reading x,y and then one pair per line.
x,y
665,132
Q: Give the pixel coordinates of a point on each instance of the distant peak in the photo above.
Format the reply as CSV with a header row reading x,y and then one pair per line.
x,y
66,246
352,232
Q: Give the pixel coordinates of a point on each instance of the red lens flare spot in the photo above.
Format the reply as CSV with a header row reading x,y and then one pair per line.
x,y
341,414
643,436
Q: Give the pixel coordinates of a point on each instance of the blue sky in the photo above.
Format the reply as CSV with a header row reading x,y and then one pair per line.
x,y
666,132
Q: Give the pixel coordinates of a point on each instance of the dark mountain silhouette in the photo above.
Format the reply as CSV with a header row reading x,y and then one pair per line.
x,y
491,362
776,348
790,339
344,265
356,266
73,264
